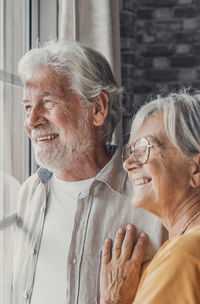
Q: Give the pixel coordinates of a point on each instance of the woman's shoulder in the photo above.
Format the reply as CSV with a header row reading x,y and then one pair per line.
x,y
184,246
189,243
177,261
175,253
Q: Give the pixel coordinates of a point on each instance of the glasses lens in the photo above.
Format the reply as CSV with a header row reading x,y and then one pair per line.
x,y
141,150
126,152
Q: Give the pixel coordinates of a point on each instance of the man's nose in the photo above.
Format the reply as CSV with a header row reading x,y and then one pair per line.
x,y
36,118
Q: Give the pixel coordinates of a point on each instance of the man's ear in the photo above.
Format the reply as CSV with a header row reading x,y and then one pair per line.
x,y
195,176
100,109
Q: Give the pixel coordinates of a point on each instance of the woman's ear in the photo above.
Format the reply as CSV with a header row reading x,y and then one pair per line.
x,y
195,176
100,109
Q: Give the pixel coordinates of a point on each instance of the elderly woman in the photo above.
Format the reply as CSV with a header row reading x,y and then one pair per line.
x,y
163,164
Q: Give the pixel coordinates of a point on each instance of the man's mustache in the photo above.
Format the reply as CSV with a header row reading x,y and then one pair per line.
x,y
44,130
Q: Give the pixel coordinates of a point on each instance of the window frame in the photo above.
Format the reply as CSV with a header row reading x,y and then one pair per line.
x,y
41,32
36,29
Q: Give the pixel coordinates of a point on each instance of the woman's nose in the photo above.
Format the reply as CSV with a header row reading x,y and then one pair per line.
x,y
131,163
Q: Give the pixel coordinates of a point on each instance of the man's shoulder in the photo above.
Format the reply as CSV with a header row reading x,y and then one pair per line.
x,y
40,177
112,173
32,189
30,180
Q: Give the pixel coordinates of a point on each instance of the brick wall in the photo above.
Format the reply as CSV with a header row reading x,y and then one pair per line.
x,y
160,49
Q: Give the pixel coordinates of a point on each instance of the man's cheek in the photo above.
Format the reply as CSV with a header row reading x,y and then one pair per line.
x,y
27,130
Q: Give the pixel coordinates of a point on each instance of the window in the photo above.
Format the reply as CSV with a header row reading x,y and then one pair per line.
x,y
12,43
22,24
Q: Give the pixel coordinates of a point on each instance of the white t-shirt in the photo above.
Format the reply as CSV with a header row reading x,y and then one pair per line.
x,y
51,272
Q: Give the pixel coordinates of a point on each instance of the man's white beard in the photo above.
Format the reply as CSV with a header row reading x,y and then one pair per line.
x,y
63,155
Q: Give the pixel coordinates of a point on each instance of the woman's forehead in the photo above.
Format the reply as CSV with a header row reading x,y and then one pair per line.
x,y
152,126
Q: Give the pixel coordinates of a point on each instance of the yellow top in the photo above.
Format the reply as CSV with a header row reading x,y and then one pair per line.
x,y
173,276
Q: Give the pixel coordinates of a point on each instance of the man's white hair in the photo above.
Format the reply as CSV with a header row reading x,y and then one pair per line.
x,y
88,72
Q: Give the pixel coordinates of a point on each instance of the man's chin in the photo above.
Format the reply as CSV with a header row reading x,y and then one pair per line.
x,y
44,160
46,165
56,164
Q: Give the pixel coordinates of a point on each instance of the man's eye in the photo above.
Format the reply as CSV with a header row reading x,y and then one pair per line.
x,y
27,108
48,103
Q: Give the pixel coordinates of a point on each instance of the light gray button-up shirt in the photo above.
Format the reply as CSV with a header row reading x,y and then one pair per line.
x,y
100,212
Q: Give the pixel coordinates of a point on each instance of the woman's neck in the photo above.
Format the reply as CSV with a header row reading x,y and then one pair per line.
x,y
185,217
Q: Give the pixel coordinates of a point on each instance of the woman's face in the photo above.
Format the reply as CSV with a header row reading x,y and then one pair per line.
x,y
163,182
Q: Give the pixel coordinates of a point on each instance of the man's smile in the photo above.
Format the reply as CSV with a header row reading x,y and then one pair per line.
x,y
46,137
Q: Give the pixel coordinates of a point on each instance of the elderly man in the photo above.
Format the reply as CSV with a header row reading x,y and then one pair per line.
x,y
80,193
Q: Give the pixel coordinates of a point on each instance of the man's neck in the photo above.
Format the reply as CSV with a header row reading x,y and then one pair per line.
x,y
86,167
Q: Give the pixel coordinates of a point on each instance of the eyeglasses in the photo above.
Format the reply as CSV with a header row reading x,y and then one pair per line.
x,y
139,150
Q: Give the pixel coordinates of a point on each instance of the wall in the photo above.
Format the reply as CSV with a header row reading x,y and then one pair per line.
x,y
160,49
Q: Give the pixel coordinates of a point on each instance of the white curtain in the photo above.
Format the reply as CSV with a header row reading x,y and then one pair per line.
x,y
96,24
11,133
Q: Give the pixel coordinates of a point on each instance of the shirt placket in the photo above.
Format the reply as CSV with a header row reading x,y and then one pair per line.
x,y
77,246
33,251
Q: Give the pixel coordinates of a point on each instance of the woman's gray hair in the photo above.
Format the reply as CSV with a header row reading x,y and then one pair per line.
x,y
88,72
181,112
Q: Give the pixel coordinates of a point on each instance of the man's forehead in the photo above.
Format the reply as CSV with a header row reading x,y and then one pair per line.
x,y
45,86
38,80
30,91
41,93
46,76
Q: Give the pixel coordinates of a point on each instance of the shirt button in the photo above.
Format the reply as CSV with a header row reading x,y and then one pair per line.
x,y
42,209
32,252
25,295
74,261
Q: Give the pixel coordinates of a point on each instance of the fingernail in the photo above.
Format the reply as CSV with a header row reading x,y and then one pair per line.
x,y
129,227
120,230
107,240
143,234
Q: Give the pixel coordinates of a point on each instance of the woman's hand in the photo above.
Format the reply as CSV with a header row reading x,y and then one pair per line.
x,y
120,271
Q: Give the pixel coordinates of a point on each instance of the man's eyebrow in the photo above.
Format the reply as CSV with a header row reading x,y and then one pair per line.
x,y
24,101
47,93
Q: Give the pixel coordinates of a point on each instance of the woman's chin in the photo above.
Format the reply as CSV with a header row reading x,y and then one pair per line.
x,y
141,203
146,205
137,203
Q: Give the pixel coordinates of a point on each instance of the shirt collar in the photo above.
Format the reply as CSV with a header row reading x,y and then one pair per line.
x,y
44,175
112,174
